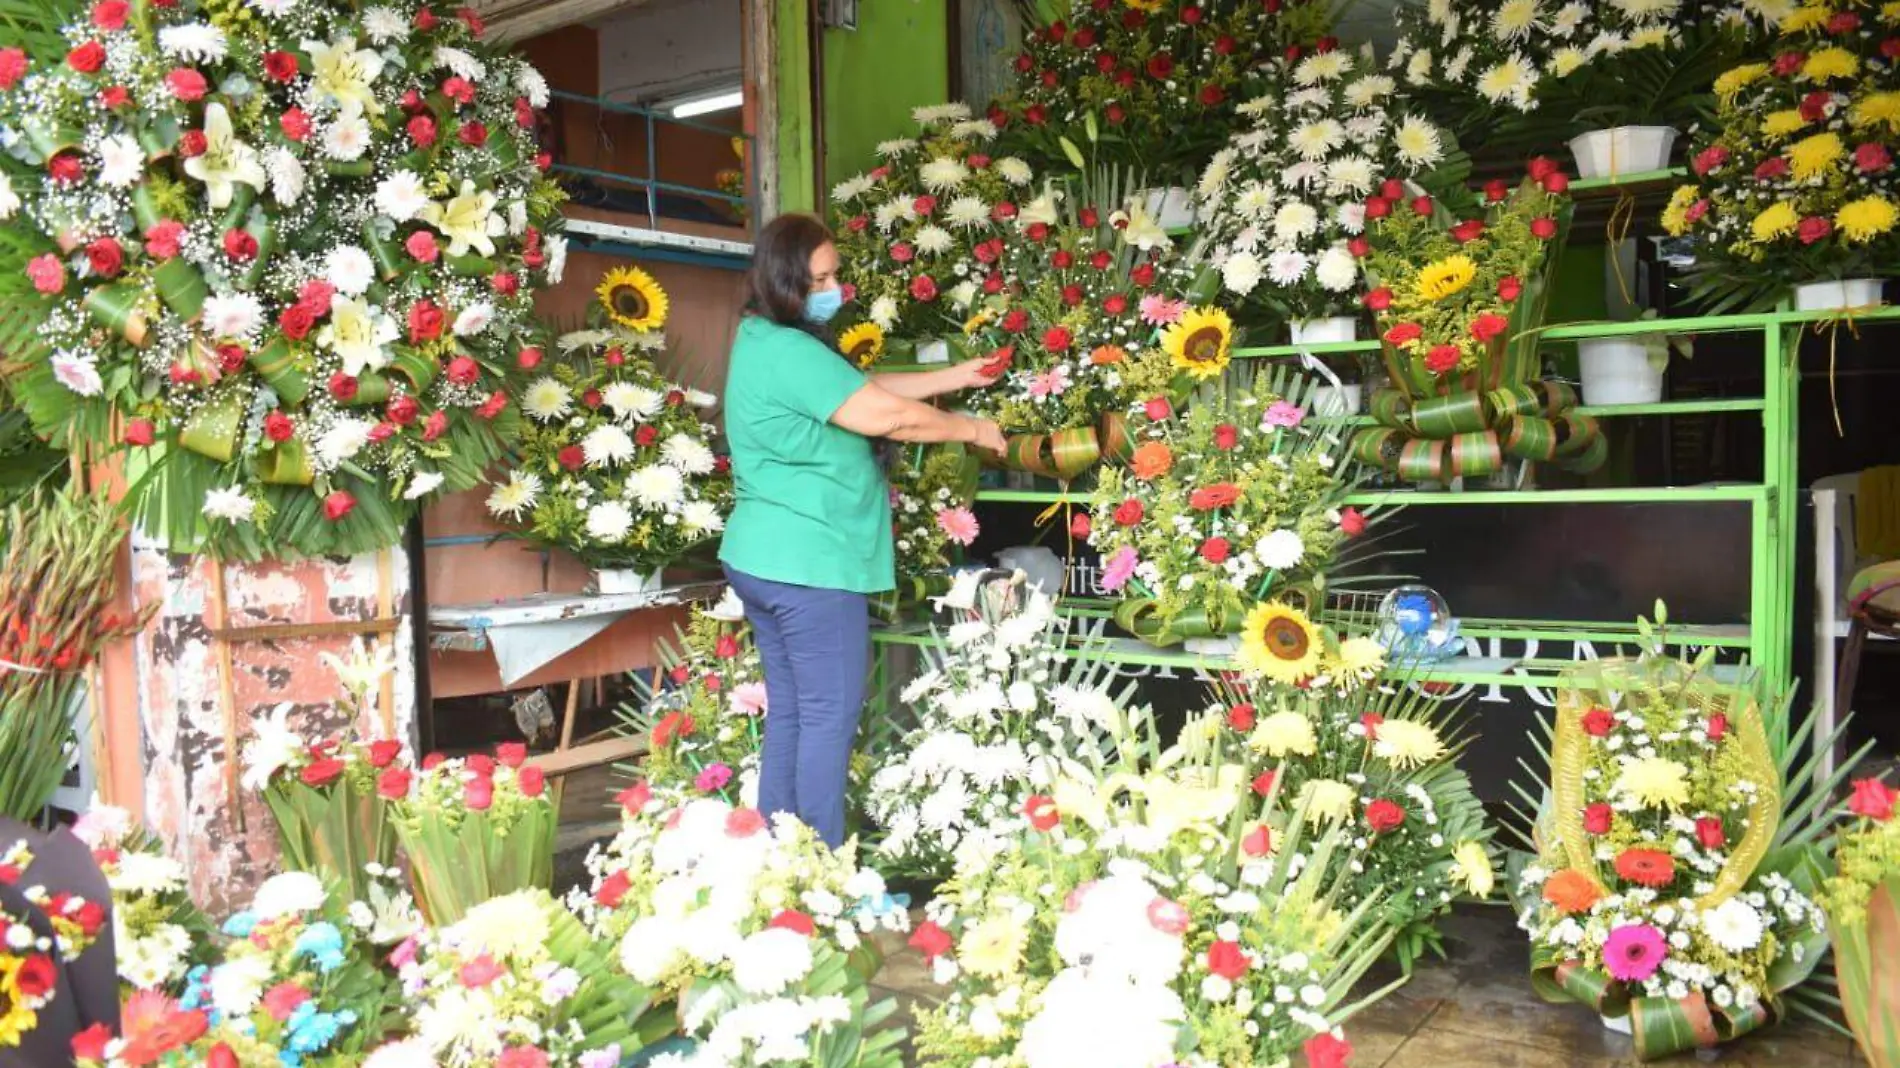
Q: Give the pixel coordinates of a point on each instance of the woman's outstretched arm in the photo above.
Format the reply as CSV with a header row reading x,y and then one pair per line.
x,y
923,385
876,412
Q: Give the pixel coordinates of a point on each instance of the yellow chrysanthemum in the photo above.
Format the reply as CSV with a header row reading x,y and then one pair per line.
x,y
863,343
1201,343
1876,109
1279,642
1471,865
1811,157
1654,782
1675,216
1326,799
1734,81
1360,657
1829,63
1782,123
1777,220
1865,219
1446,277
976,322
1890,12
1407,743
633,299
1806,17
994,948
1283,733
1149,6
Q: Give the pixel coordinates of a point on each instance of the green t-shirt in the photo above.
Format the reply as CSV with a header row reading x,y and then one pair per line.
x,y
813,509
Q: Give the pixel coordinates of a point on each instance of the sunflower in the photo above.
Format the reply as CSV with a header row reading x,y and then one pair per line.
x,y
1446,277
1279,642
864,343
1201,343
633,299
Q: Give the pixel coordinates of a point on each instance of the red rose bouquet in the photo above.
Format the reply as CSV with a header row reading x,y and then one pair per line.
x,y
473,828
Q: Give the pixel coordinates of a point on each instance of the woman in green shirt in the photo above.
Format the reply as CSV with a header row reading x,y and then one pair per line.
x,y
810,537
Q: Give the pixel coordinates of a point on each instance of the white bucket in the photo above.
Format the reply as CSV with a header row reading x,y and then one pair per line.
x,y
626,580
1172,206
1835,294
1622,150
1617,371
1324,331
1226,646
1343,399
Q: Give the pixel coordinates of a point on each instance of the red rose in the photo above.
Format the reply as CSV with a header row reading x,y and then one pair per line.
x,y
240,245
930,940
792,920
1402,333
1509,289
295,124
422,131
139,432
1226,437
1023,63
105,257
1263,782
479,793
1709,159
1115,113
1697,210
1872,158
1143,275
1129,512
1071,295
191,143
1814,106
114,97
1544,227
1057,339
1062,259
1598,723
90,1044
463,370
1392,189
459,89
37,977
506,283
1042,813
924,205
433,761
1383,816
230,358
1542,167
65,168
1090,218
13,64
571,458
1844,22
295,322
613,889
1241,717
1708,831
1873,800
1352,522
1469,230
1488,326
425,20
435,426
278,427
496,403
1160,66
421,247
382,432
1771,168
280,66
321,772
384,753
1227,960
646,436
1209,498
403,410
425,321
1258,842
1359,246
1080,526
87,58
923,288
110,14
1004,210
1718,728
532,781
1890,48
161,241
1292,53
1083,38
1215,550
993,284
1038,232
1496,189
1191,15
634,798
1813,229
1421,205
473,134
1325,1051
473,20
337,505
1379,299
1597,819
528,358
1212,95
1378,207
187,84
511,754
1157,409
1016,321
1371,721
1558,182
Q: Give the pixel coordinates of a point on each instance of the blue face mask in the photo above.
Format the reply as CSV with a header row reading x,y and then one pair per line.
x,y
823,304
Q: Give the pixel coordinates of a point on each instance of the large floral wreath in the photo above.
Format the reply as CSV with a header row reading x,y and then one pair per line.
x,y
285,251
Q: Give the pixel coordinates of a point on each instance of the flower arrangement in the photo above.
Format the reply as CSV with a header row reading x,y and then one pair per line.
x,y
617,465
472,828
1085,313
29,976
1283,202
1862,902
1458,303
932,489
1239,499
518,981
1146,915
1159,81
1796,181
1379,762
916,234
704,716
57,592
158,933
1667,884
331,816
77,922
759,933
286,255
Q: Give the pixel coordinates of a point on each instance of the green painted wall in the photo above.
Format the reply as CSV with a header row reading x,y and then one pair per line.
x,y
897,59
792,33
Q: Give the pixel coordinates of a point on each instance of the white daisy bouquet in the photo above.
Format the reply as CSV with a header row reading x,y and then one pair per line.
x,y
1797,180
158,934
1283,203
757,932
616,462
917,234
1676,852
518,981
285,252
1237,500
472,827
1145,918
704,715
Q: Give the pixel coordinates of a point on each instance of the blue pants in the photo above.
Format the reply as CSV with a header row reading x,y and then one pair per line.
x,y
816,648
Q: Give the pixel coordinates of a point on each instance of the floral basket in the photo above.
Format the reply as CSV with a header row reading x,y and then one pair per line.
x,y
1862,899
473,828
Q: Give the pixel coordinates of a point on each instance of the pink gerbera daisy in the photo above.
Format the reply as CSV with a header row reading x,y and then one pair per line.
x,y
1280,413
958,524
1121,568
1633,952
1157,310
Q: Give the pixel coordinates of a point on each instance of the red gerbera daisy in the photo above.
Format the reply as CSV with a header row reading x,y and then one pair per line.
x,y
1646,867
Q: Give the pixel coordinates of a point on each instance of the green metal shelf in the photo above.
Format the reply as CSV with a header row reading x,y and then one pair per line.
x,y
1622,181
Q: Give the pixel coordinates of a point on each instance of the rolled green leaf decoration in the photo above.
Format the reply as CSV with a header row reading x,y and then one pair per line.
x,y
1377,447
382,250
506,152
264,229
470,266
50,141
1027,452
1591,458
1531,438
242,197
1514,400
1072,452
1575,434
286,465
355,168
1117,446
145,206
213,429
155,143
280,365
1476,455
1392,408
1422,460
1142,617
419,369
1559,397
116,307
372,389
1444,417
181,287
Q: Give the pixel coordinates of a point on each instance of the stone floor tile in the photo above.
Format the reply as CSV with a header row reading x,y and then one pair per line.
x,y
1430,1047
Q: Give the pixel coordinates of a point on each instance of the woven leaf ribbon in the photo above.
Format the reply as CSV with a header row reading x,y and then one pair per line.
x,y
1143,618
1468,433
1066,454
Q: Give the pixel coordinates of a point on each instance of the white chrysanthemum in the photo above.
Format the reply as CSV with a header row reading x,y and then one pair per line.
x,y
401,196
1287,267
1255,201
532,85
1336,271
1418,142
1295,220
287,175
689,454
511,927
1083,1022
1303,175
628,400
702,517
290,893
473,319
384,25
954,111
346,138
1111,935
237,985
1321,67
547,399
1509,82
1351,217
1214,178
230,505
9,200
423,483
657,487
1651,37
349,269
342,440
607,445
1369,90
1567,61
1280,550
609,522
1014,171
974,130
895,147
892,212
1515,20
963,294
1350,176
515,496
1418,69
851,189
884,312
193,42
966,212
768,962
1568,18
405,1053
1241,272
274,8
1315,140
461,63
232,315
147,874
943,174
934,241
1733,925
121,161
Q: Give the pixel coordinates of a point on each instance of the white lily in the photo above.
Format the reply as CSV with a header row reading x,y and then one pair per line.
x,y
343,73
1139,228
468,220
363,669
226,161
359,334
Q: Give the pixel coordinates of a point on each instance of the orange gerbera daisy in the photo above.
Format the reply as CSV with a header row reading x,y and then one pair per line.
x,y
1152,460
1108,354
1571,891
1646,867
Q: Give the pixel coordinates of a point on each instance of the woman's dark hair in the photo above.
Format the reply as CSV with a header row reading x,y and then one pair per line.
x,y
780,278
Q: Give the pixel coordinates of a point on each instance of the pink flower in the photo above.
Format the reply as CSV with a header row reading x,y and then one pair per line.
x,y
958,524
421,245
47,273
748,698
1051,383
480,972
1157,310
744,822
712,777
1121,568
1281,413
1633,952
1168,916
523,1057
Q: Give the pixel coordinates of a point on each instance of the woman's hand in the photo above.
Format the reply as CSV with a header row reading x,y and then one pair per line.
x,y
975,374
989,436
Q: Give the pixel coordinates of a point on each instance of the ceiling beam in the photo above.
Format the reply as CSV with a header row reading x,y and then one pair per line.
x,y
514,20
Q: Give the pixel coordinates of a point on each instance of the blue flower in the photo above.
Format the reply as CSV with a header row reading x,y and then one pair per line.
x,y
323,943
240,925
312,1031
883,903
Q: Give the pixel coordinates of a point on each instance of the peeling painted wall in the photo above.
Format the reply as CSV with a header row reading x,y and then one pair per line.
x,y
182,725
